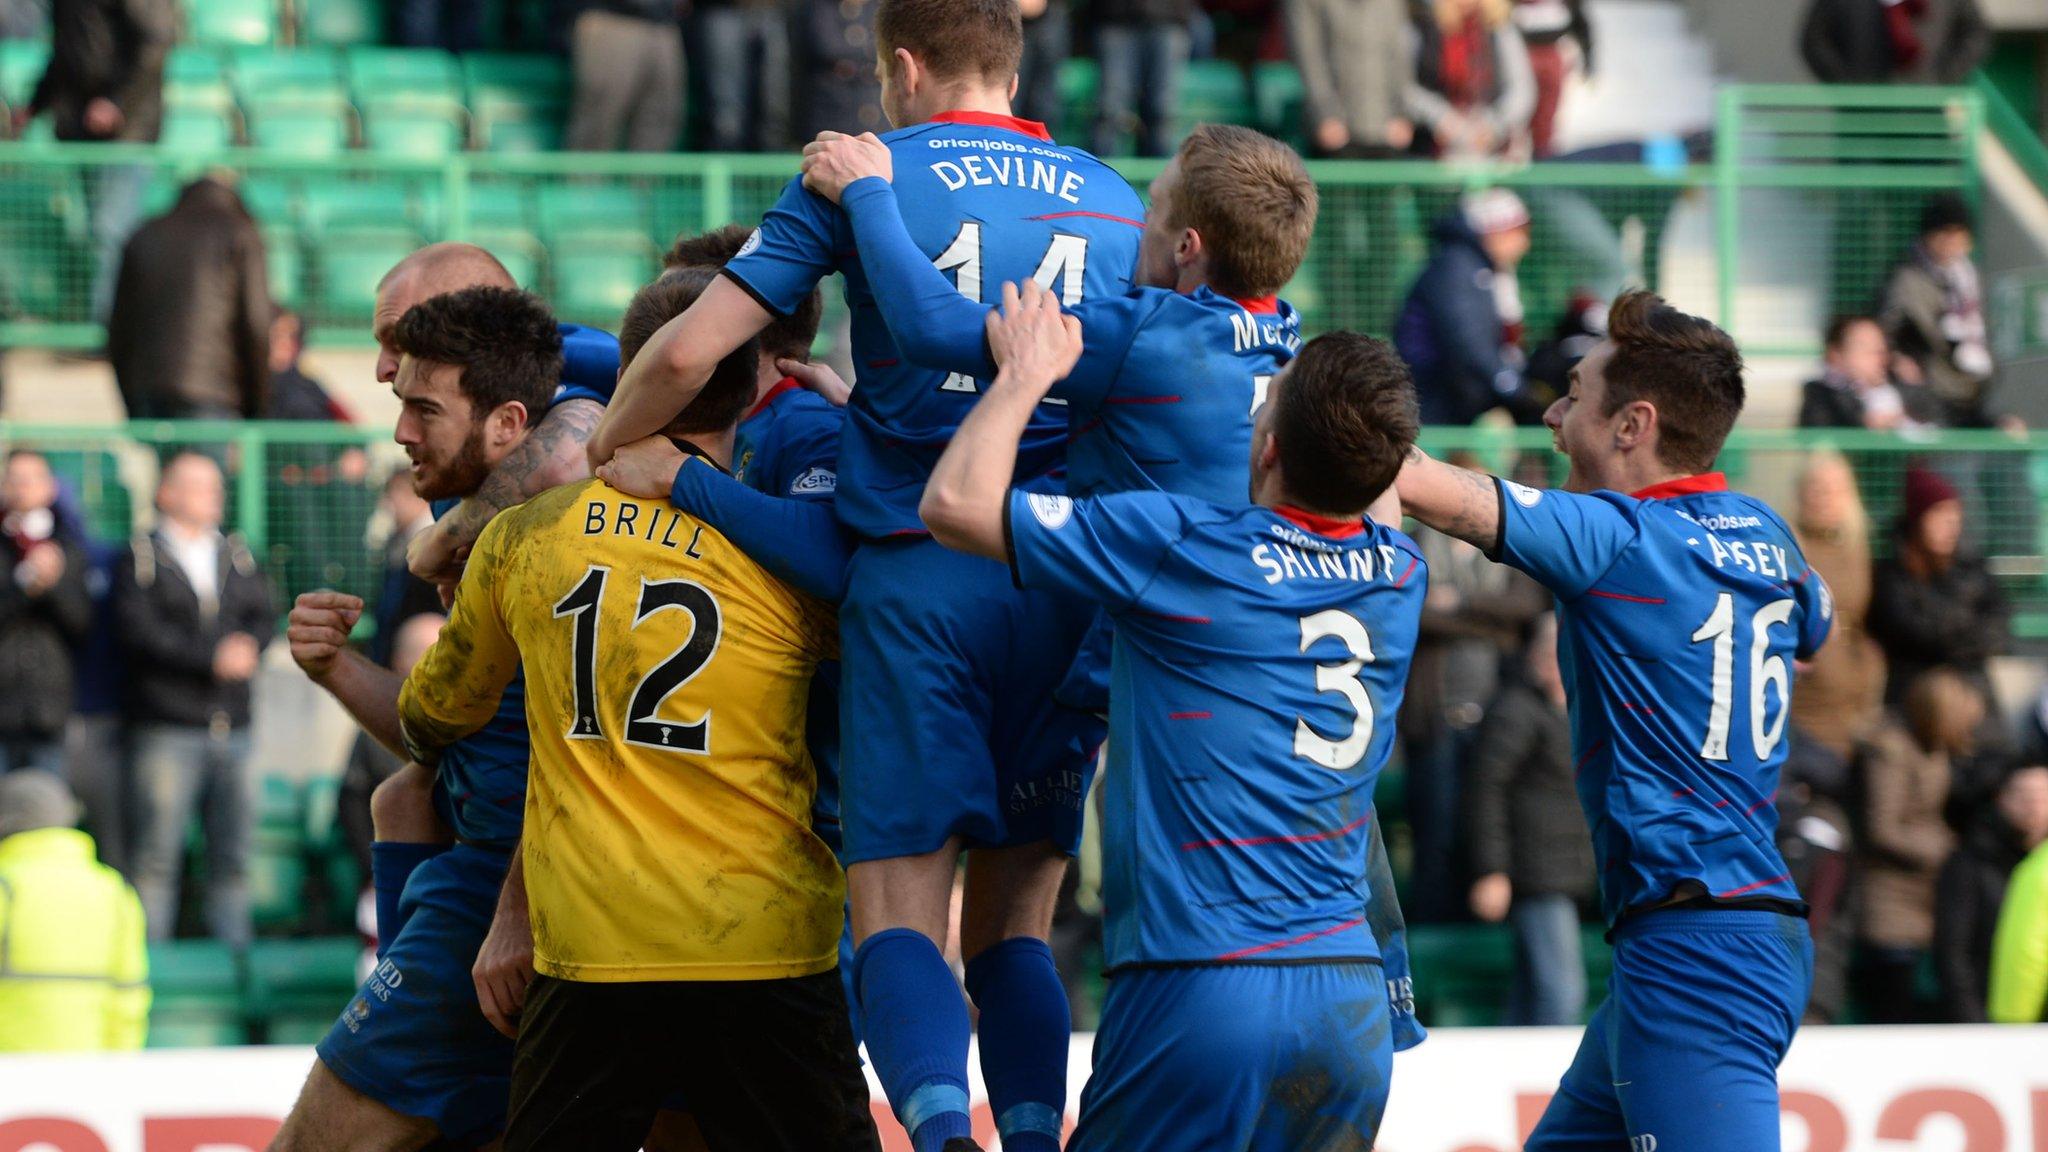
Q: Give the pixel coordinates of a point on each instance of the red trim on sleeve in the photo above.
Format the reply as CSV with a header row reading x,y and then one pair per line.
x,y
786,384
1330,526
1259,305
991,120
1684,486
1092,216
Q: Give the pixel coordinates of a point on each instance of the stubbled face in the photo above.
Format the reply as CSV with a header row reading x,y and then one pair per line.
x,y
394,300
1863,355
1157,245
1580,427
193,493
441,432
28,484
1827,497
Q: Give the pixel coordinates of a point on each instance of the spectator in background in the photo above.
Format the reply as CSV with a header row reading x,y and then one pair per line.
x,y
836,45
1460,329
1142,46
1932,605
1473,93
1355,63
747,80
292,394
627,57
456,25
189,336
24,19
1841,690
1972,888
1904,773
1530,848
1048,35
105,83
2019,948
1933,311
1855,388
194,616
1560,41
45,613
1473,620
75,975
1907,41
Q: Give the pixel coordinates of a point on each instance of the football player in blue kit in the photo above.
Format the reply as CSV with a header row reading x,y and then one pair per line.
x,y
414,1054
1260,653
950,738
1681,608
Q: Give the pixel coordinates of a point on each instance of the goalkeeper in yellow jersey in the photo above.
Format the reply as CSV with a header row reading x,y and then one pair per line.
x,y
685,917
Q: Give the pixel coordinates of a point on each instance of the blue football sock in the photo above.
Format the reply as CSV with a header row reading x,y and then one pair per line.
x,y
1025,1029
391,865
915,1024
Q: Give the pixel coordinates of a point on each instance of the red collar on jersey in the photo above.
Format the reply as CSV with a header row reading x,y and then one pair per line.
x,y
1030,128
1261,305
786,384
1335,528
1684,486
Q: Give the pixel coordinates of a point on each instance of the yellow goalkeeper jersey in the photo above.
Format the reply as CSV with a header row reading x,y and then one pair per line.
x,y
668,828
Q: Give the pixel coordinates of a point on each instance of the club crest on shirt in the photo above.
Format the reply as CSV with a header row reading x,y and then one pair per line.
x,y
1523,494
814,480
1052,510
753,242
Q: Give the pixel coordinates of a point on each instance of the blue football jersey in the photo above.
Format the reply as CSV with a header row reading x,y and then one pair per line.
x,y
989,199
788,444
480,789
1259,662
1681,610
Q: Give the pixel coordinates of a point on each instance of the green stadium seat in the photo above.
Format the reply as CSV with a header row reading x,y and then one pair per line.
x,y
501,204
1214,91
596,274
347,265
21,66
272,200
96,476
490,78
286,265
197,129
1080,88
583,207
302,978
277,882
221,1027
197,78
232,21
330,202
341,23
518,250
299,131
414,131
401,74
267,77
518,137
1280,96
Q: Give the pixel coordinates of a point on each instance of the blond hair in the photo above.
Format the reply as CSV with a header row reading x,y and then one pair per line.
x,y
1251,200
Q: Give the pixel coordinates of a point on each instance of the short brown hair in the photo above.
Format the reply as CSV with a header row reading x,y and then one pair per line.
x,y
1683,364
504,340
729,392
1346,419
1251,199
786,337
952,39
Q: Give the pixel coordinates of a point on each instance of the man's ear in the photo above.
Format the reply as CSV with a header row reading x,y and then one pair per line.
x,y
506,422
1269,452
1637,427
910,74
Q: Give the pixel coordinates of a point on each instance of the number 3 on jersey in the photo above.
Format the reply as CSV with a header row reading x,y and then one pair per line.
x,y
643,726
1066,260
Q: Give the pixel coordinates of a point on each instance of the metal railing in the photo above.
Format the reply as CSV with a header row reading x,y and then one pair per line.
x,y
1813,193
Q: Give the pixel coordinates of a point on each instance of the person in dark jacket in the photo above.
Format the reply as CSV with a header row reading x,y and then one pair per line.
x,y
1048,38
189,336
1461,328
194,616
1933,605
1882,41
1971,890
1530,848
1474,92
105,82
1856,389
835,49
1143,47
45,612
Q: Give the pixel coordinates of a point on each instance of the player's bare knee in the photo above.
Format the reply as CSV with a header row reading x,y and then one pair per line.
x,y
402,808
331,1116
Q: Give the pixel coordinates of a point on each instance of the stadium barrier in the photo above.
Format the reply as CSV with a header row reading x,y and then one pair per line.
x,y
305,494
1937,1089
1810,196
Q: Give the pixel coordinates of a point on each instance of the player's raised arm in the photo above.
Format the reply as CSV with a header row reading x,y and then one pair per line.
x,y
1455,501
672,367
970,486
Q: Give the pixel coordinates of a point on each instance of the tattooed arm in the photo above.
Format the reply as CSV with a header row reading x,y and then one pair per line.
x,y
552,455
1455,501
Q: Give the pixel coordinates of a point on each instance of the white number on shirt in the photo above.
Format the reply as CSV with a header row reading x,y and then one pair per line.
x,y
1343,680
643,727
1765,669
1261,385
1062,270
